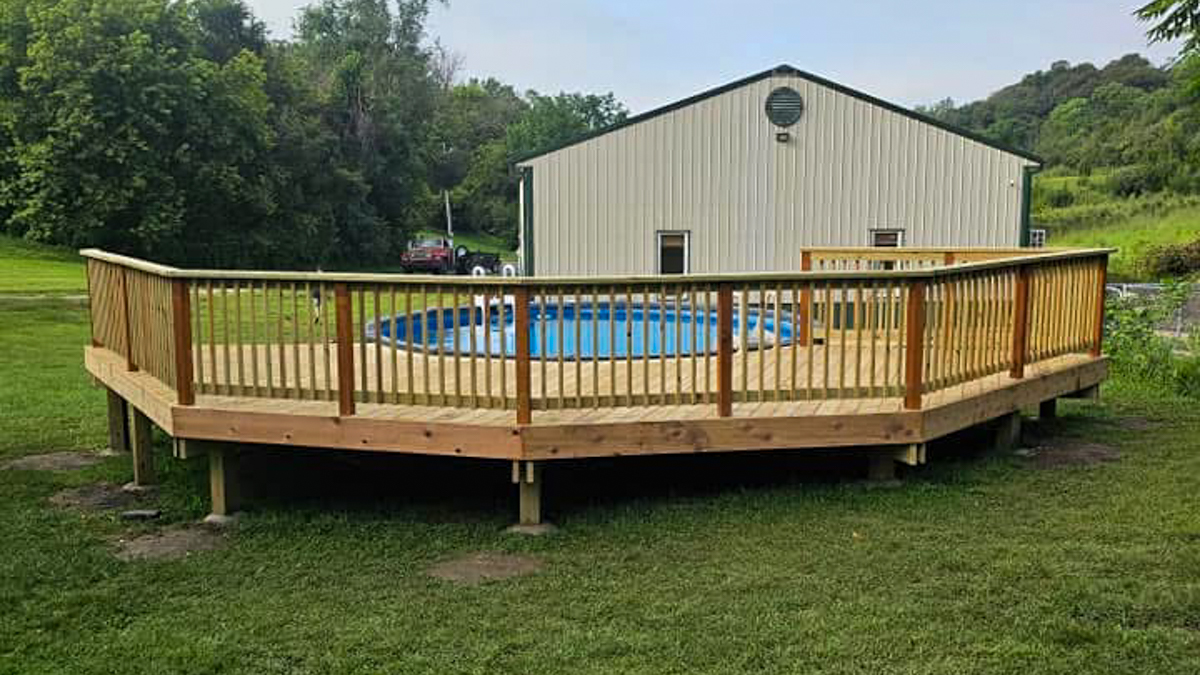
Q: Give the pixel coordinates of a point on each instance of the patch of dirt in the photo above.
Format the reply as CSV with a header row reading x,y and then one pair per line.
x,y
478,568
1070,453
92,498
1136,423
54,461
169,544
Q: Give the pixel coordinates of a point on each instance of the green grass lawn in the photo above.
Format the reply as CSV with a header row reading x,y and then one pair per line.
x,y
977,563
1132,237
32,268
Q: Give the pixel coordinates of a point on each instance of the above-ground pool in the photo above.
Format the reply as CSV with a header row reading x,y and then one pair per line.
x,y
600,330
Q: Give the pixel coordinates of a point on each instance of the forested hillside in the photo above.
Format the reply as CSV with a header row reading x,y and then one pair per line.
x,y
179,131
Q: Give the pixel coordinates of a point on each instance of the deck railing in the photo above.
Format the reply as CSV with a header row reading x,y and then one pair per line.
x,y
854,323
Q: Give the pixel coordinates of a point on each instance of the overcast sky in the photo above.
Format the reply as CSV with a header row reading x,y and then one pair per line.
x,y
652,52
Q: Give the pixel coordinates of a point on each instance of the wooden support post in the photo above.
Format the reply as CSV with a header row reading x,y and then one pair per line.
x,y
521,328
912,454
141,442
528,477
118,422
1008,432
345,350
223,479
725,350
181,320
881,467
130,365
1048,410
1020,335
914,356
1098,330
806,302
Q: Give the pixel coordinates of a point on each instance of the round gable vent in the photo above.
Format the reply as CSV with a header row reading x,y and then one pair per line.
x,y
784,107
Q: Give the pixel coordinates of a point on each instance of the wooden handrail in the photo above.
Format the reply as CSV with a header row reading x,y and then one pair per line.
x,y
754,278
954,322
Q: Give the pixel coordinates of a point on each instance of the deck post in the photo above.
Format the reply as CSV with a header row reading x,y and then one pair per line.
x,y
130,365
345,350
528,477
725,350
881,467
141,442
521,327
1098,329
1020,335
1048,410
223,479
118,422
181,320
914,357
806,301
1008,432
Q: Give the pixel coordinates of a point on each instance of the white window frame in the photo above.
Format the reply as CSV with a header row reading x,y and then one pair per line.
x,y
687,249
1037,238
898,231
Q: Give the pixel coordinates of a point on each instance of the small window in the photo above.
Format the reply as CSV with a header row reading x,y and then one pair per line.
x,y
887,238
1037,238
672,252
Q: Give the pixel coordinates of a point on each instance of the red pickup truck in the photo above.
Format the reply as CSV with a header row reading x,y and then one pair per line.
x,y
435,255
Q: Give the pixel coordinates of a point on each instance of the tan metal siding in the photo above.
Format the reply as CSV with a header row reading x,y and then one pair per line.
x,y
715,169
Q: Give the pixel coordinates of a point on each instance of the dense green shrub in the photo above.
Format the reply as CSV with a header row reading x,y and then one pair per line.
x,y
1171,260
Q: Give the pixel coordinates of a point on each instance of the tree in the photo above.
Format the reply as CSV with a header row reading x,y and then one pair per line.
x,y
1173,19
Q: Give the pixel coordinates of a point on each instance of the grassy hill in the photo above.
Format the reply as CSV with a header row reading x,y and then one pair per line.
x,y
27,267
1132,237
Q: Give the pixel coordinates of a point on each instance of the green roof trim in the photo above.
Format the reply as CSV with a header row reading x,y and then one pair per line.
x,y
788,70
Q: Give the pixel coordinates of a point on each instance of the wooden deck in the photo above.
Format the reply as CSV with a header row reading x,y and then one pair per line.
x,y
883,359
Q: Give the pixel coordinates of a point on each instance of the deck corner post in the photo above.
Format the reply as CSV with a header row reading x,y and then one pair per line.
x,y
223,479
141,443
1098,330
914,356
521,328
118,422
1020,333
181,328
345,349
725,350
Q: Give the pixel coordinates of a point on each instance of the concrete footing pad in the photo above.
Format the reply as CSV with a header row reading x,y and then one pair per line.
x,y
537,530
137,489
218,521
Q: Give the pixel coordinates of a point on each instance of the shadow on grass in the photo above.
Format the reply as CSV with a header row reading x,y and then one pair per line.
x,y
460,489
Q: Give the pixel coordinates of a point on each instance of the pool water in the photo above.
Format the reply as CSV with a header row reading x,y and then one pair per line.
x,y
587,330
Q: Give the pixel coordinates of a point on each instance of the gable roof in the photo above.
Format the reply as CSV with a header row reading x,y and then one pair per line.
x,y
786,70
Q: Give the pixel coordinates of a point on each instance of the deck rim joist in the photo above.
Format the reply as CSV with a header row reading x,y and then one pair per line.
x,y
549,440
